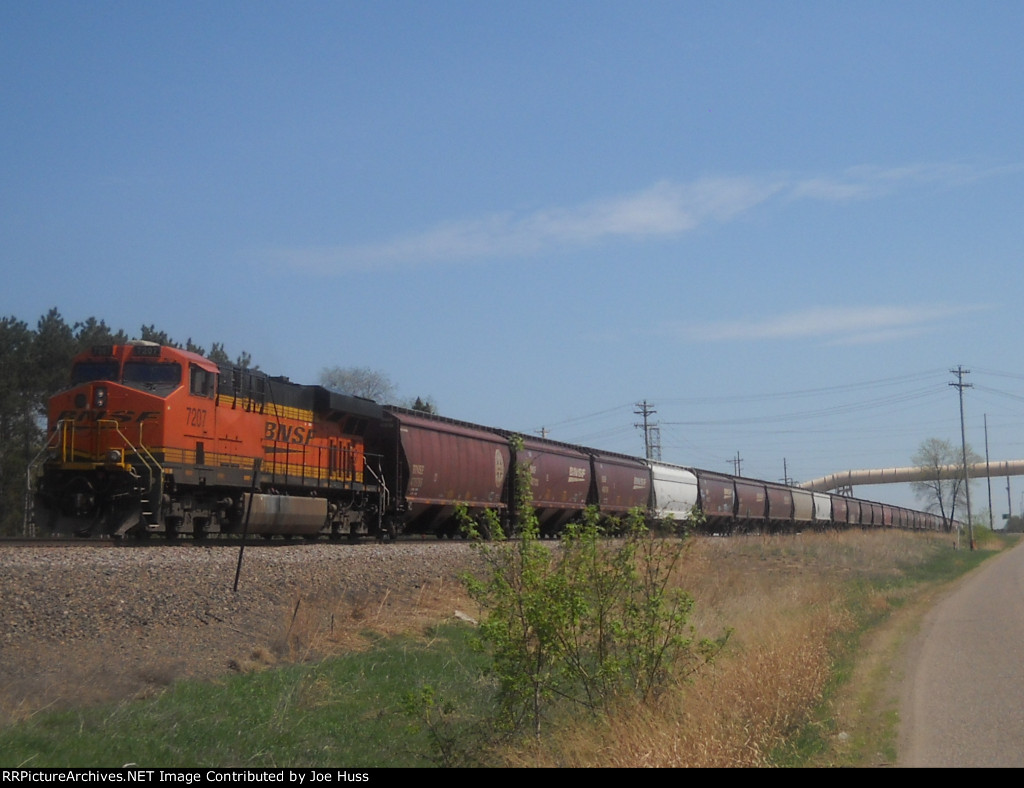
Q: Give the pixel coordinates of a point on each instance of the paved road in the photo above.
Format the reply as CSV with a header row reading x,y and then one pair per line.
x,y
963,697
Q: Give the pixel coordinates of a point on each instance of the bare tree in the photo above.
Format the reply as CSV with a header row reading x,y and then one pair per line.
x,y
358,381
943,483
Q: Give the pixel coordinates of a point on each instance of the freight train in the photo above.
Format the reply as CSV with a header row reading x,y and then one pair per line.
x,y
151,439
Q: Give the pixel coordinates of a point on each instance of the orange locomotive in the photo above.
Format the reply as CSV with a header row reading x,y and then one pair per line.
x,y
153,439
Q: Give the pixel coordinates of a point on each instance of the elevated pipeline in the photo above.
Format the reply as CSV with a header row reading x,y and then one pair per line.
x,y
835,481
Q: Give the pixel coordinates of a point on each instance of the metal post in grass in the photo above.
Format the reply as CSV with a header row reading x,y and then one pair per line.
x,y
245,525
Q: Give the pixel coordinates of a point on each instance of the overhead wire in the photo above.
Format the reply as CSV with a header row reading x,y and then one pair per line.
x,y
761,397
903,411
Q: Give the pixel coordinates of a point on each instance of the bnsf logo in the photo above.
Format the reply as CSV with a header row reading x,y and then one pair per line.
x,y
282,433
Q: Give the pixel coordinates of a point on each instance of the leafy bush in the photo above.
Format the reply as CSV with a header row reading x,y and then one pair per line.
x,y
582,622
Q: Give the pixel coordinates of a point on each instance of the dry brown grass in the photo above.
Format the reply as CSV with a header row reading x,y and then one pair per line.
x,y
785,601
327,624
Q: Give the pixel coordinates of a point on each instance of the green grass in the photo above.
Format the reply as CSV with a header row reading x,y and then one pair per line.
x,y
343,712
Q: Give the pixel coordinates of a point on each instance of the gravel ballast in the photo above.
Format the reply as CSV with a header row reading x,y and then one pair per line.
x,y
81,625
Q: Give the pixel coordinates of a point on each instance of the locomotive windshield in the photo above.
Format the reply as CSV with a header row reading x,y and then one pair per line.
x,y
149,376
86,371
137,374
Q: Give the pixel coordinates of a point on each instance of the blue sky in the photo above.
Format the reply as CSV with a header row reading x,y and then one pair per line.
x,y
780,224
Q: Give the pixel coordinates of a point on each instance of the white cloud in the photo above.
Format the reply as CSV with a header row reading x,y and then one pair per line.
x,y
869,182
831,325
663,209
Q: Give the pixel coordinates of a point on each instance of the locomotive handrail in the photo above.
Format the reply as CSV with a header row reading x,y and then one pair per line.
x,y
141,451
385,493
65,426
62,442
149,454
149,462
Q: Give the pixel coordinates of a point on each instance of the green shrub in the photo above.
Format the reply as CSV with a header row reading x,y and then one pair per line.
x,y
579,623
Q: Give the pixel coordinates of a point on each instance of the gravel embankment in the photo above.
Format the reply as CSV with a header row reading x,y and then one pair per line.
x,y
83,625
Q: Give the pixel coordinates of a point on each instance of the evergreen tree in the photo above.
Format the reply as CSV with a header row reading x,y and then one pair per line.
x,y
424,406
52,350
150,334
93,332
20,433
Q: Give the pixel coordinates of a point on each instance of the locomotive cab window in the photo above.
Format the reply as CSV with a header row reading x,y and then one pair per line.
x,y
201,382
161,378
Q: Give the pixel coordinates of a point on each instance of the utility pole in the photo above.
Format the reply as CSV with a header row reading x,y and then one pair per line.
x,y
960,385
646,410
737,464
988,478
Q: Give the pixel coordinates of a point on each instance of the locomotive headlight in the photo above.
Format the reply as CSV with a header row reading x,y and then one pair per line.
x,y
99,397
114,456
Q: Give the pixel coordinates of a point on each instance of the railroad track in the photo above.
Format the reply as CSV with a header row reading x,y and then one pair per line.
x,y
53,541
103,542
